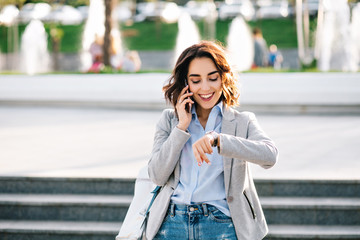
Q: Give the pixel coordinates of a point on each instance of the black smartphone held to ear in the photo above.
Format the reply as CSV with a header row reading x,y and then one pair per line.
x,y
188,106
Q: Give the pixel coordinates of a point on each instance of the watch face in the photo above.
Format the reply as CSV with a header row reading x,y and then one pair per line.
x,y
215,135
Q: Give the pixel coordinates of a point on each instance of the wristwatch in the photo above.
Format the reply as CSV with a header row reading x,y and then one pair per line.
x,y
215,135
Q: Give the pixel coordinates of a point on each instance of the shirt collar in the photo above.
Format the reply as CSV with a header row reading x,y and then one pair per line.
x,y
218,106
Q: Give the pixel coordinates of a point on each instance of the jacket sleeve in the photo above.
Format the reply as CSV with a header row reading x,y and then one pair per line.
x,y
168,144
256,148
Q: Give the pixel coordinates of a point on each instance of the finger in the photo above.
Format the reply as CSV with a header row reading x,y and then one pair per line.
x,y
187,100
180,98
197,154
207,161
203,146
182,105
184,90
184,96
206,145
203,156
205,149
197,157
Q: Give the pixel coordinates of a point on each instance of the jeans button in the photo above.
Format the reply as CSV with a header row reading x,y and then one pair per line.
x,y
191,209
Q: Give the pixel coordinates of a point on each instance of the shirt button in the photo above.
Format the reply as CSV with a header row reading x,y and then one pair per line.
x,y
230,199
191,209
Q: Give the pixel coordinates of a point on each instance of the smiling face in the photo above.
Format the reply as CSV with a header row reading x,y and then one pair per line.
x,y
205,82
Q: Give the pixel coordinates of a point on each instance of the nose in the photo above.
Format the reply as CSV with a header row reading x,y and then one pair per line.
x,y
205,86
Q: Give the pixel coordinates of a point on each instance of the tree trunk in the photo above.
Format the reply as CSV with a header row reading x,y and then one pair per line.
x,y
107,35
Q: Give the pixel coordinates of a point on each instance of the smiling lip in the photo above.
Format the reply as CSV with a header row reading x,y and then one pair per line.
x,y
206,97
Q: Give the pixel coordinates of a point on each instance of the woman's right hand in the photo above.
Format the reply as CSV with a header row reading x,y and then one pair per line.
x,y
184,116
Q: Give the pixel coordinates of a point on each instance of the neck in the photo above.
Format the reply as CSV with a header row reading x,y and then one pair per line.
x,y
202,113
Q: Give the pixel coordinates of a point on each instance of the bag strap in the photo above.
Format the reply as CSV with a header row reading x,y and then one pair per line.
x,y
155,192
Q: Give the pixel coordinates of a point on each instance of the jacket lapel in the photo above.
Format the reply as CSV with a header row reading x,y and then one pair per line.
x,y
174,123
228,127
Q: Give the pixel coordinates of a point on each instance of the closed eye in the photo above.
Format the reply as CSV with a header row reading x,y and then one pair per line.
x,y
195,81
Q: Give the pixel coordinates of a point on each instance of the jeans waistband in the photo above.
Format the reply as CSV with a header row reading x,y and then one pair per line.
x,y
201,208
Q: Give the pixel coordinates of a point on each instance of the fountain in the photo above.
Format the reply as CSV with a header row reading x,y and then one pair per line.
x,y
334,45
240,45
35,57
188,34
355,36
95,25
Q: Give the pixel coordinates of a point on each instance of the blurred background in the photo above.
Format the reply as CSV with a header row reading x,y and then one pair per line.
x,y
67,59
129,36
70,69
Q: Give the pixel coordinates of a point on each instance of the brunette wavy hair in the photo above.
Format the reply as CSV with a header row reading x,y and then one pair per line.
x,y
216,53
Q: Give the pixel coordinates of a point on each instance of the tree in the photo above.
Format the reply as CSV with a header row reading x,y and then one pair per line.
x,y
109,5
19,3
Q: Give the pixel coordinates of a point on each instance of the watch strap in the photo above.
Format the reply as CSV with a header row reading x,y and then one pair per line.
x,y
215,135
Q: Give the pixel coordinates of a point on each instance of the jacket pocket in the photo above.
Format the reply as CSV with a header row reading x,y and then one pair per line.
x,y
250,205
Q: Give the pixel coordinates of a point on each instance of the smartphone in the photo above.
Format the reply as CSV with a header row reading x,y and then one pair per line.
x,y
188,106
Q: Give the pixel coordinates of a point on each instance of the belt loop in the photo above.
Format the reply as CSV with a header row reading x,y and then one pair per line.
x,y
172,210
205,209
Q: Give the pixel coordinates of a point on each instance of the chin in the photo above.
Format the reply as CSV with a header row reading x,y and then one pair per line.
x,y
207,105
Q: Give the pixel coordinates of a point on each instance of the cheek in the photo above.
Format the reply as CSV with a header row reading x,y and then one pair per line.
x,y
193,88
218,87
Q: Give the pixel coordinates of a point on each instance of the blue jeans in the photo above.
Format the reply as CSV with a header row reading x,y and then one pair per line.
x,y
196,222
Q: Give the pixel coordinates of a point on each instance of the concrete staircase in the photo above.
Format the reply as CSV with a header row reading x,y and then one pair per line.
x,y
78,208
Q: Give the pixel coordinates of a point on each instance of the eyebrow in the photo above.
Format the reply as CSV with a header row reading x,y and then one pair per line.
x,y
198,75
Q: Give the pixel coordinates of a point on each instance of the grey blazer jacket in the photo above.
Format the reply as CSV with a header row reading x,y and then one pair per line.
x,y
241,141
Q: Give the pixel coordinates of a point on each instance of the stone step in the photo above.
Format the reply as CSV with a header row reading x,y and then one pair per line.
x,y
301,232
310,210
308,188
278,210
305,188
51,185
58,230
62,230
64,207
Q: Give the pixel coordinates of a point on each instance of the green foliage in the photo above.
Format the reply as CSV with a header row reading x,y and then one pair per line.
x,y
309,67
74,3
71,37
150,35
160,36
13,2
4,32
144,36
281,32
222,30
77,3
3,39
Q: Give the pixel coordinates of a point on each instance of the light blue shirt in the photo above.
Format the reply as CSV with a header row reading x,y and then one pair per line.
x,y
205,183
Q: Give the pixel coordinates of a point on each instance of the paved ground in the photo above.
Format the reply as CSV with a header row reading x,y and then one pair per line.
x,y
94,142
110,142
284,92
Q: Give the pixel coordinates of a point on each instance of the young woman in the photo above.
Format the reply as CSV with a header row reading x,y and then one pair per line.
x,y
201,153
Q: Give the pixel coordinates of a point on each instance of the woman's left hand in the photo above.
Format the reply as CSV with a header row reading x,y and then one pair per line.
x,y
201,147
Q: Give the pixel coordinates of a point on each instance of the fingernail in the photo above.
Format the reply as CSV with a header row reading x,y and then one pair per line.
x,y
199,164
